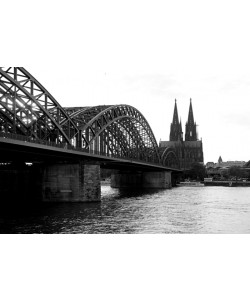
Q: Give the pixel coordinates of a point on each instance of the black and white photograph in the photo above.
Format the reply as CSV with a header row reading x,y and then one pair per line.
x,y
126,127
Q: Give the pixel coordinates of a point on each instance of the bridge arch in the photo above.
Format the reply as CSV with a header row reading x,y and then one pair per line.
x,y
169,158
32,109
28,109
116,130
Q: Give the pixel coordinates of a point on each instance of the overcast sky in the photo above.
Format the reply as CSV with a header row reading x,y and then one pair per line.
x,y
145,54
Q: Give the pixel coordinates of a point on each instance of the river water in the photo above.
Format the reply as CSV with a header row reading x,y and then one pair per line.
x,y
179,210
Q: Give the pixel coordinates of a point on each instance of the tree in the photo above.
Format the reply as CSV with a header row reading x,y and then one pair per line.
x,y
224,173
238,172
197,172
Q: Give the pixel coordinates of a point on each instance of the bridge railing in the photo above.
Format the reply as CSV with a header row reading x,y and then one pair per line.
x,y
66,146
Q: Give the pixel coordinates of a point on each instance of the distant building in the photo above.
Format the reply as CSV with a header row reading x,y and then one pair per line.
x,y
220,160
229,164
221,169
210,164
225,164
189,151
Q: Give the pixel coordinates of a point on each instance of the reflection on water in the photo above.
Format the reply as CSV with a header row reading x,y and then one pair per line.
x,y
179,210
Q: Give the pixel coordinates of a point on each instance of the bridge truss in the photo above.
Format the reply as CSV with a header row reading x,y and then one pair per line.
x,y
29,110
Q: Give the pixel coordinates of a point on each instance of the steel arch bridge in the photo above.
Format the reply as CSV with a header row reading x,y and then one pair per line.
x,y
169,158
27,109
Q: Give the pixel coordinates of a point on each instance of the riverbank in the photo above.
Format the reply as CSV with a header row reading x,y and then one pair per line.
x,y
232,183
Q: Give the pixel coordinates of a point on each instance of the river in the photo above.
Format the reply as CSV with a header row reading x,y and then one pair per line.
x,y
179,210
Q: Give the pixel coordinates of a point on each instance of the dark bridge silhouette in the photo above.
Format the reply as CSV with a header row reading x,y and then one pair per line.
x,y
34,126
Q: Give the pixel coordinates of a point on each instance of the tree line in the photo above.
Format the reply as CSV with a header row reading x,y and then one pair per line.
x,y
199,172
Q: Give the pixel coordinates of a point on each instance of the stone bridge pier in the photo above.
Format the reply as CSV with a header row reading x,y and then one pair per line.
x,y
72,182
51,182
141,179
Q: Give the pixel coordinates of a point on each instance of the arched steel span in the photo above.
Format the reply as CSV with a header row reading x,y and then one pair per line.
x,y
169,158
117,130
28,109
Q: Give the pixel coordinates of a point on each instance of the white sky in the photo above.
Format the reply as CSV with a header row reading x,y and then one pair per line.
x,y
146,54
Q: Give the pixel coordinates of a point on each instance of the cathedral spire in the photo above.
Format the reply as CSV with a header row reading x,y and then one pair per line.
x,y
191,134
190,114
175,116
175,132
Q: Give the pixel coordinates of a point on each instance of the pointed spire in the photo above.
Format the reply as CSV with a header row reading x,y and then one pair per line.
x,y
175,116
175,131
190,114
191,134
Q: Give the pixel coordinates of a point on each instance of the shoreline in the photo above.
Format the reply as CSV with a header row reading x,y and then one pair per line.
x,y
230,183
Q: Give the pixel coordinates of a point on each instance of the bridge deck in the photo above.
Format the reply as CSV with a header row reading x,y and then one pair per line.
x,y
19,147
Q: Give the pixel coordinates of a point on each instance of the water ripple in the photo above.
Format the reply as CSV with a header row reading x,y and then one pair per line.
x,y
180,210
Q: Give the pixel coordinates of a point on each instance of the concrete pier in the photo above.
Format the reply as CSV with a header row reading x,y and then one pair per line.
x,y
58,182
126,179
156,180
72,182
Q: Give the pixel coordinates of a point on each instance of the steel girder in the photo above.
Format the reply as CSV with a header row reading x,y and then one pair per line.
x,y
117,130
169,158
27,108
31,109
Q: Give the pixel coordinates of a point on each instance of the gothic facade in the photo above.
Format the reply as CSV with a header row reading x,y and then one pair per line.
x,y
189,151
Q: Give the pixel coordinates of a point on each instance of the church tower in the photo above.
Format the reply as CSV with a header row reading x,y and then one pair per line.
x,y
190,151
176,133
220,160
191,133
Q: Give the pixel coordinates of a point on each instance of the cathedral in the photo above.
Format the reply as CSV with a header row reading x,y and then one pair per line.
x,y
189,151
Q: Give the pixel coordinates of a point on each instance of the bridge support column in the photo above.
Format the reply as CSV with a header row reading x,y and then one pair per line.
x,y
156,180
72,182
125,179
90,182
